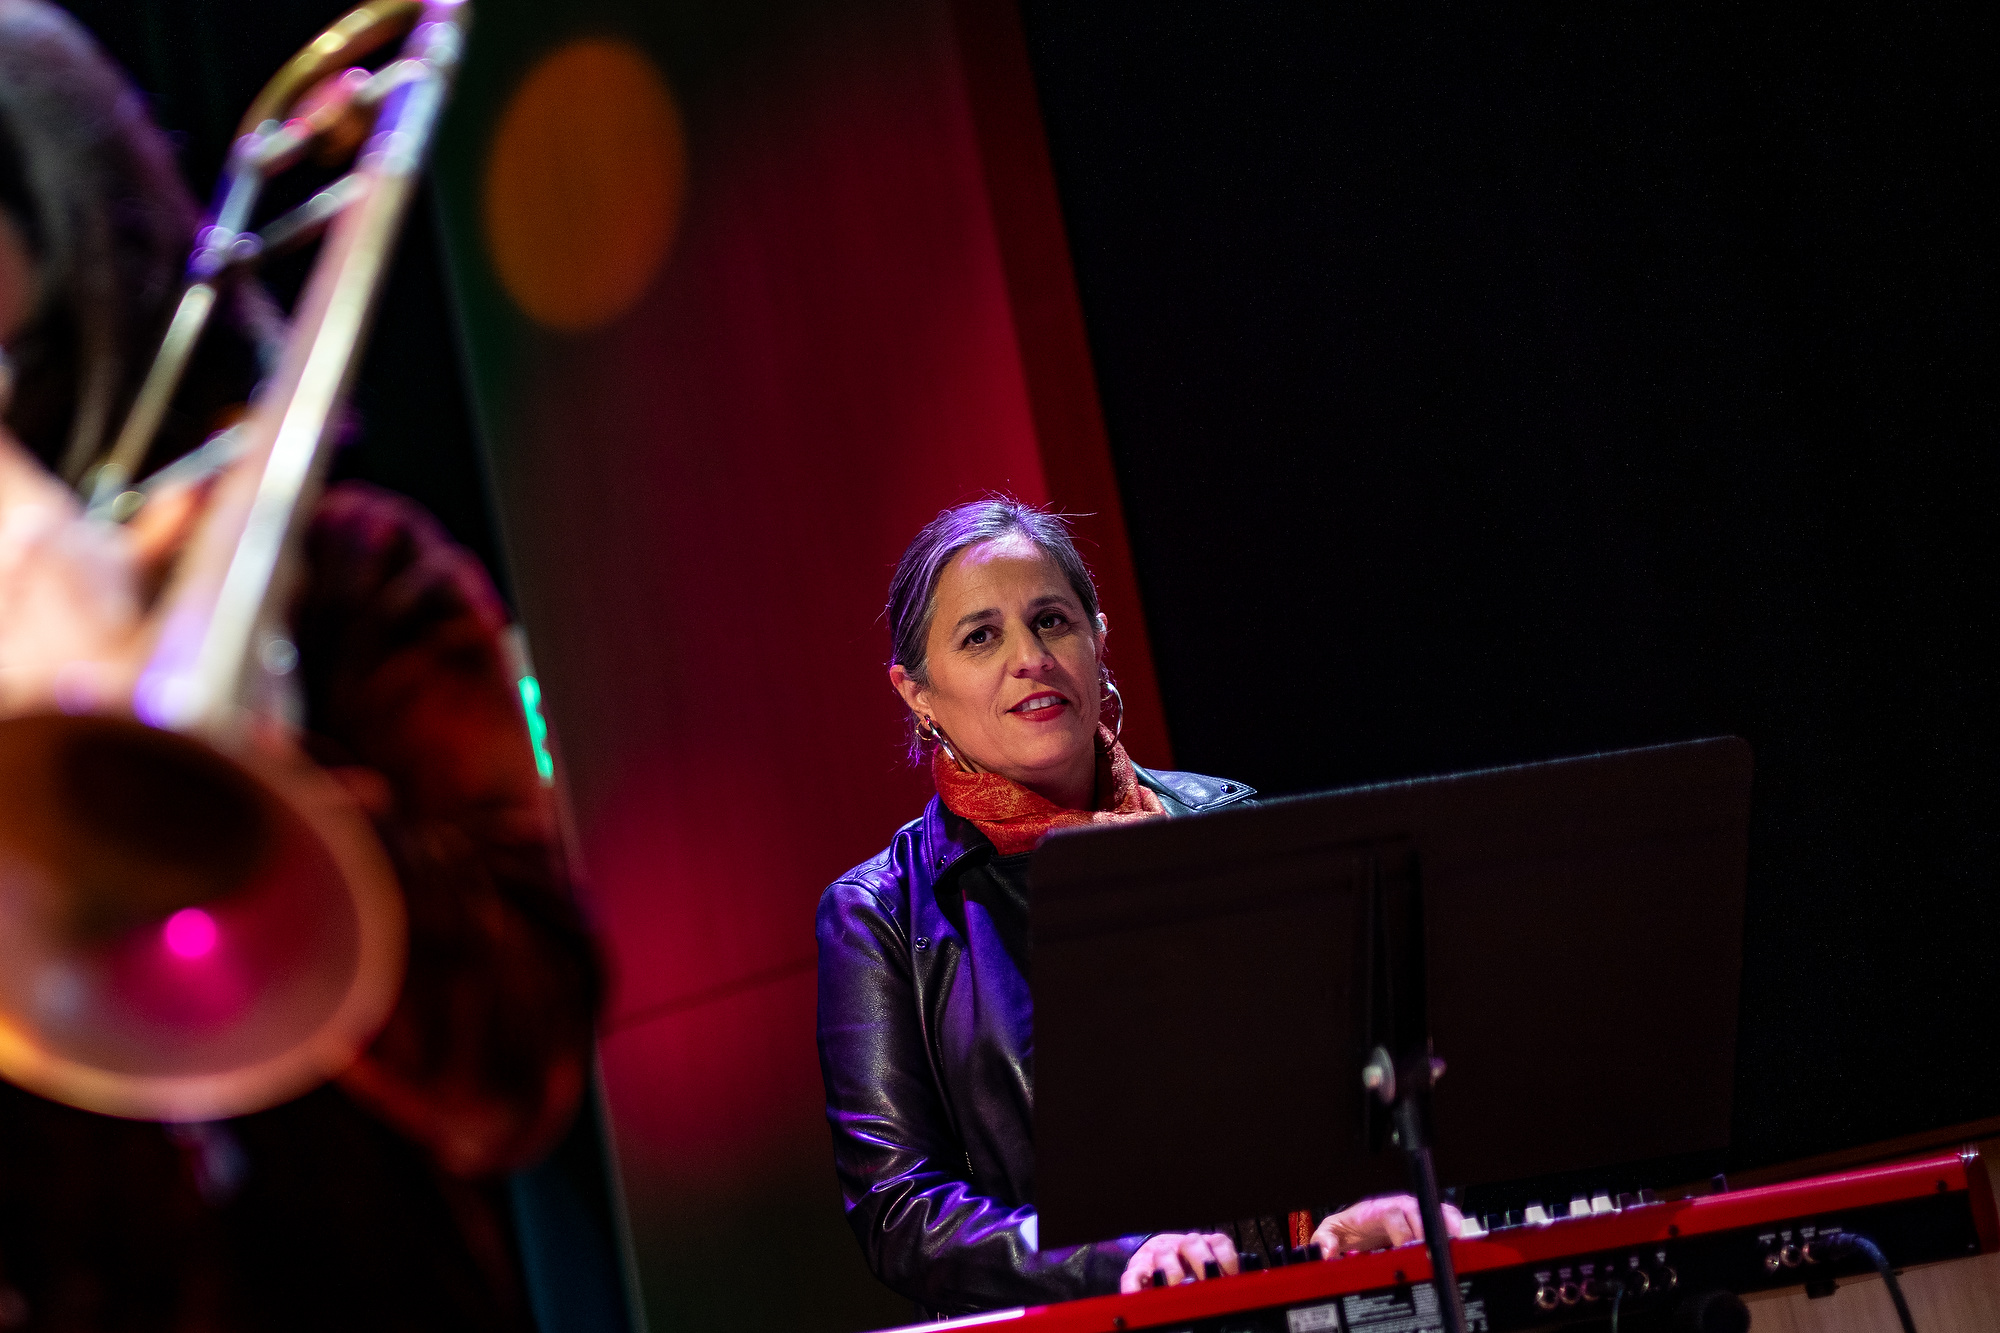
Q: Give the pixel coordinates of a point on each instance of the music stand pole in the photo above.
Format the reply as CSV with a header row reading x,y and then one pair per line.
x,y
1408,1098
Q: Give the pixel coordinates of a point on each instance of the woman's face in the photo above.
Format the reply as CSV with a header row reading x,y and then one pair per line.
x,y
1012,667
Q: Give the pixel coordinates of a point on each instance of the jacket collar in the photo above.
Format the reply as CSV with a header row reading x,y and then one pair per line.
x,y
1194,792
947,839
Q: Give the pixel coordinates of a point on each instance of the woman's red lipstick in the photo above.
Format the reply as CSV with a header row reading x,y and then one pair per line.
x,y
1047,711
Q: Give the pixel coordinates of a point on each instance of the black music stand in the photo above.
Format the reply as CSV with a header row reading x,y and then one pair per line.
x,y
1208,991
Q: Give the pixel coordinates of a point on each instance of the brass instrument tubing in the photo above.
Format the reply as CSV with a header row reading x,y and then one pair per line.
x,y
198,675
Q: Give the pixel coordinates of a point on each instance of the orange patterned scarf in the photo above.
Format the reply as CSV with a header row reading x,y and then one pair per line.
x,y
1016,819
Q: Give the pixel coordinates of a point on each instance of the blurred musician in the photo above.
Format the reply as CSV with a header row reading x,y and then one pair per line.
x,y
374,1203
925,1029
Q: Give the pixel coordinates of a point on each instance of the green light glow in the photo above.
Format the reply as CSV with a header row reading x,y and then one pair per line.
x,y
538,727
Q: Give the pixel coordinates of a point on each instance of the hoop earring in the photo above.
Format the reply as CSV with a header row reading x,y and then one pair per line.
x,y
1111,689
927,730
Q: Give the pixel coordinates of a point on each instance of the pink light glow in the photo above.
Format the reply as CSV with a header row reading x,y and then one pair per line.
x,y
190,933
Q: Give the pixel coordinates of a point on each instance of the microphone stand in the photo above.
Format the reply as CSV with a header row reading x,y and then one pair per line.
x,y
1408,1098
1398,1020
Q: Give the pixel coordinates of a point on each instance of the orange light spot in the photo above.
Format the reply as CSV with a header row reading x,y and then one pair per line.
x,y
584,184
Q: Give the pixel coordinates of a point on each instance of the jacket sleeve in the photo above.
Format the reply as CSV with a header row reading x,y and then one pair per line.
x,y
926,1230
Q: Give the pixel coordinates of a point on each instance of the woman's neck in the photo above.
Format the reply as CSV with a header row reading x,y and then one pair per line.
x,y
1073,790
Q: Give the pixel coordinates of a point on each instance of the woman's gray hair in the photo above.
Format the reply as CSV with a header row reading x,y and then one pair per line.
x,y
913,591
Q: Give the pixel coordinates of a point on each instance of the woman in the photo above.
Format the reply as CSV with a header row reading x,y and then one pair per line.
x,y
379,1201
925,1027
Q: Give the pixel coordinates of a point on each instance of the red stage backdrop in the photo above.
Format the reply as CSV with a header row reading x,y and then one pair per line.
x,y
750,291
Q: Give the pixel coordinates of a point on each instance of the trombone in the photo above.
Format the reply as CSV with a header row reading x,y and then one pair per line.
x,y
195,921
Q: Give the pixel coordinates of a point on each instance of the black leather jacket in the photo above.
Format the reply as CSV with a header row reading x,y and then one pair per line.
x,y
926,1046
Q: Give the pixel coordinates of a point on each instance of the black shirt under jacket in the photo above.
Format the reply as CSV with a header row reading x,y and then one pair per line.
x,y
926,1047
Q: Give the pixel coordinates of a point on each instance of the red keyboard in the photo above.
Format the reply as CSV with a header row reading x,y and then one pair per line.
x,y
1544,1275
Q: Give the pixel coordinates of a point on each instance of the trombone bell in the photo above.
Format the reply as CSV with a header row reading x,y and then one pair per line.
x,y
184,935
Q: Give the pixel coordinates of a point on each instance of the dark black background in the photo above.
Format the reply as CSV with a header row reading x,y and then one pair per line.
x,y
1493,383
1496,383
200,63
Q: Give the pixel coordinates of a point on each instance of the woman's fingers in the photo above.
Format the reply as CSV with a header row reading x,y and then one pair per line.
x,y
1139,1268
1375,1224
1412,1214
1178,1257
164,523
1197,1254
1398,1226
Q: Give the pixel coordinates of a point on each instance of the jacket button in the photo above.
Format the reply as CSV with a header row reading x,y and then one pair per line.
x,y
1229,786
942,858
923,941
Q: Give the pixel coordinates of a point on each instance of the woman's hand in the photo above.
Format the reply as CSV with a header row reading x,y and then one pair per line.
x,y
68,588
1377,1224
74,591
1182,1256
